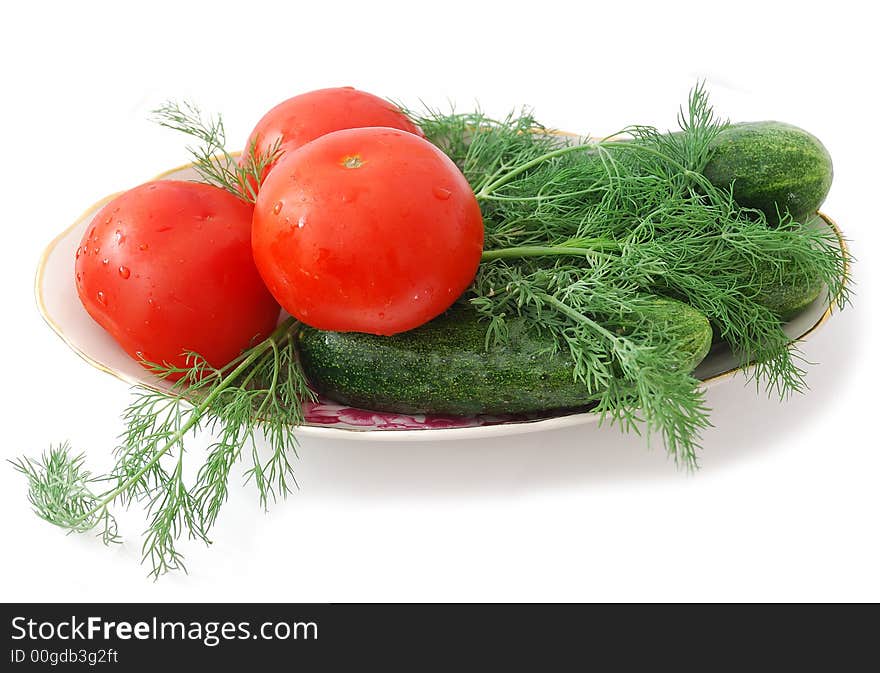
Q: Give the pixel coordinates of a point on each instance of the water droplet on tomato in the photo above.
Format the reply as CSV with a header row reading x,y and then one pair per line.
x,y
143,246
302,221
102,300
277,207
78,252
442,193
140,355
124,272
119,237
79,278
105,261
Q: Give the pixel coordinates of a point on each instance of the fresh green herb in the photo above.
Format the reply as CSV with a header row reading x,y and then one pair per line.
x,y
210,159
61,493
577,233
254,400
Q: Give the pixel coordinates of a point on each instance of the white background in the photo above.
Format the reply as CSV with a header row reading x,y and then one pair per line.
x,y
786,504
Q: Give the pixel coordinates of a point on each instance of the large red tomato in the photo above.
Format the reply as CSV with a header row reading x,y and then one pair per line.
x,y
367,230
167,267
303,118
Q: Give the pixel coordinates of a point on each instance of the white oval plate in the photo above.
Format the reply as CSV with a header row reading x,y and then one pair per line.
x,y
59,305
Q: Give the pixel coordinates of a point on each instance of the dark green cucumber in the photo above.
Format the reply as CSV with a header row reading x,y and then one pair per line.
x,y
787,300
774,167
791,295
443,367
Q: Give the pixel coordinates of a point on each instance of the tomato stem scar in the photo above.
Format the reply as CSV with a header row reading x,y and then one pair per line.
x,y
352,161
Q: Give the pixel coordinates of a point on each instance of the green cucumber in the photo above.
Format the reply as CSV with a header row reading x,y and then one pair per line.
x,y
774,167
790,295
443,367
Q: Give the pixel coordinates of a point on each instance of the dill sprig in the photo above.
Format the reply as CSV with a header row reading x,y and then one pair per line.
x,y
210,159
617,336
254,400
576,234
61,492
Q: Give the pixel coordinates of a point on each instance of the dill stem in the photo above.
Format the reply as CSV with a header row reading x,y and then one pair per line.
x,y
487,190
522,251
227,381
539,197
697,177
650,150
578,316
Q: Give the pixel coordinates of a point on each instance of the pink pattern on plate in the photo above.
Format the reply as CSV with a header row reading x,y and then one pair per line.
x,y
327,413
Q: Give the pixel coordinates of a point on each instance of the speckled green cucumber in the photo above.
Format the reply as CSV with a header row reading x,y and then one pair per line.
x,y
774,167
790,295
443,367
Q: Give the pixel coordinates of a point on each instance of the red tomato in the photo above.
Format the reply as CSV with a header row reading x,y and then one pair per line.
x,y
367,230
311,115
167,268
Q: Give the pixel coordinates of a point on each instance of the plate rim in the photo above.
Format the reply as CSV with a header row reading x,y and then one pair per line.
x,y
317,430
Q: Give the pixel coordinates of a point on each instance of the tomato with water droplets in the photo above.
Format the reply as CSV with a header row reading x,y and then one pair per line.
x,y
367,230
167,268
